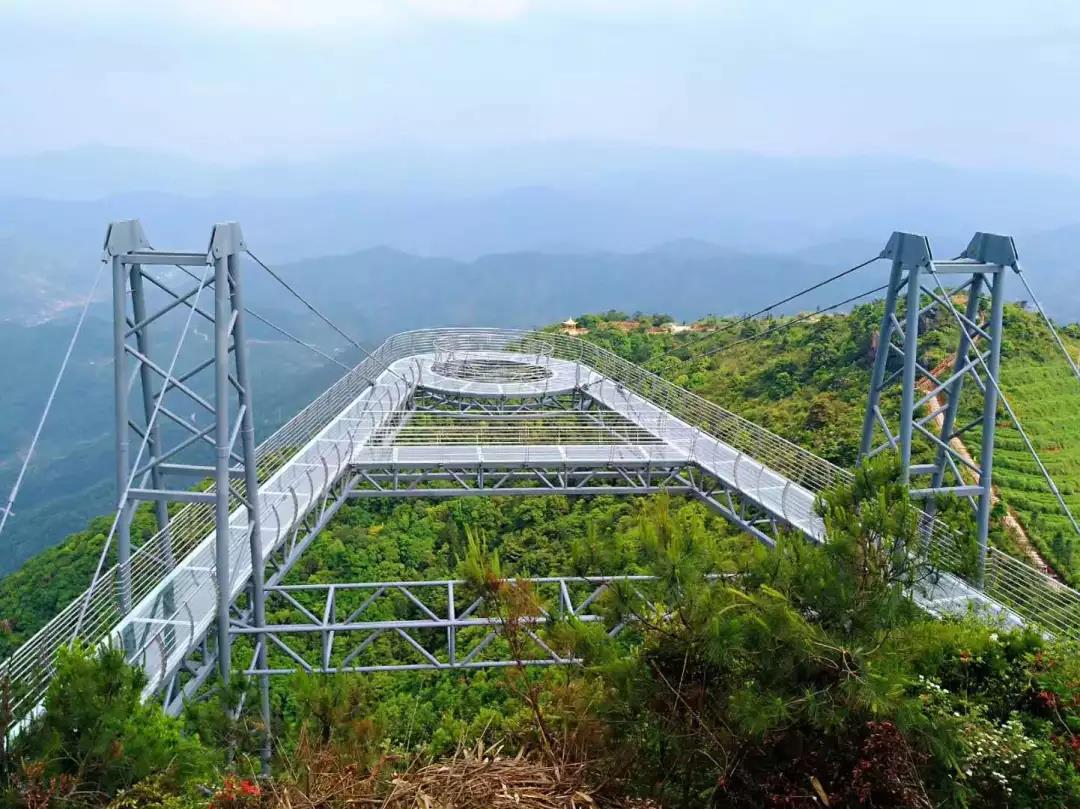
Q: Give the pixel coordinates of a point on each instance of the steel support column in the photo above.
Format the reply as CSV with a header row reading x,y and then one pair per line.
x,y
881,358
222,307
907,391
251,487
922,388
123,470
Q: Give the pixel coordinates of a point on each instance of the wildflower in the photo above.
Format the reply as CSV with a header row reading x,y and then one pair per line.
x,y
1048,699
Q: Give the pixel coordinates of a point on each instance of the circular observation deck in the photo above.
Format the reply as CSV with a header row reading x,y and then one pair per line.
x,y
463,365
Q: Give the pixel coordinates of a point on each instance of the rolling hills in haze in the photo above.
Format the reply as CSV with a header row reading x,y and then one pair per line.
x,y
371,294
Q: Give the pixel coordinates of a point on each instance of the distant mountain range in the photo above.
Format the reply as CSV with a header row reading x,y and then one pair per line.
x,y
373,293
528,235
565,199
393,290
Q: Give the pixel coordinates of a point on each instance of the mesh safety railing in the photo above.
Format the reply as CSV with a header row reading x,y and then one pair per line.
x,y
175,567
1019,587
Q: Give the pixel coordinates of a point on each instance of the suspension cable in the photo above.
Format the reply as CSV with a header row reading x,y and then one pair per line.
x,y
316,312
733,324
166,384
6,511
1012,414
1049,323
789,323
279,329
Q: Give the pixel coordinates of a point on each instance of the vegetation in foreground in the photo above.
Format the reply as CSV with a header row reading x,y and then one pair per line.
x,y
807,383
801,677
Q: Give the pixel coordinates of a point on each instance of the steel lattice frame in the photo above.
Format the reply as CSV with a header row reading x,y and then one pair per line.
x,y
449,626
358,439
231,432
915,280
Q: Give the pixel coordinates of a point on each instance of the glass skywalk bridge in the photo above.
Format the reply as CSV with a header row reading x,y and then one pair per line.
x,y
456,412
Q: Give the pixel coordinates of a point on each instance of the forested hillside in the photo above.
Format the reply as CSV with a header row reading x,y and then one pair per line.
x,y
809,383
801,677
72,476
795,678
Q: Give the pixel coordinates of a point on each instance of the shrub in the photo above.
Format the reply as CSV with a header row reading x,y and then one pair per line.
x,y
97,737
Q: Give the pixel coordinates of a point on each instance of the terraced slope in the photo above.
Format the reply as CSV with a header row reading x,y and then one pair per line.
x,y
1046,398
809,384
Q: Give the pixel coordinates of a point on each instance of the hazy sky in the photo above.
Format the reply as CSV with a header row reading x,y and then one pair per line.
x,y
983,82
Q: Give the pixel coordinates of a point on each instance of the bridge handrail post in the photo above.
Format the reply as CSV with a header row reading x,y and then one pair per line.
x,y
277,522
352,443
296,504
163,656
311,484
326,476
340,460
757,482
191,622
451,629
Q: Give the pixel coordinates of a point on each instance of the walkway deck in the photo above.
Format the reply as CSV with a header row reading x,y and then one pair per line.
x,y
358,425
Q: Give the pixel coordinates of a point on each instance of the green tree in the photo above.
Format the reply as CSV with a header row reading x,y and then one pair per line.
x,y
98,736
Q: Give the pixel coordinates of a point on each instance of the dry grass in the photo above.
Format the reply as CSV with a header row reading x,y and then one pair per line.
x,y
473,779
481,778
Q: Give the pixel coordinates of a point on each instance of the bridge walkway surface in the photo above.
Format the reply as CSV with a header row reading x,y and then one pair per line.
x,y
361,423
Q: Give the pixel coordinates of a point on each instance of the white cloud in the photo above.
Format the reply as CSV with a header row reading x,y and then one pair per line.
x,y
264,14
298,15
293,14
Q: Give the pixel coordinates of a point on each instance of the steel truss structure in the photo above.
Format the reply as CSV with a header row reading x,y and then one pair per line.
x,y
931,398
443,413
229,431
438,625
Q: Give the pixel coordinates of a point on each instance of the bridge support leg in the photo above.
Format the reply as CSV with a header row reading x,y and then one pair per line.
x,y
123,471
952,471
989,419
881,360
251,485
907,402
222,306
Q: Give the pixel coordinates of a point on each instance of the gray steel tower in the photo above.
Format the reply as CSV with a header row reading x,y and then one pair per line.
x,y
220,429
932,396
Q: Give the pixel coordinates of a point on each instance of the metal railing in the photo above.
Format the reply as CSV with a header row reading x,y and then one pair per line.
x,y
459,358
1013,584
291,489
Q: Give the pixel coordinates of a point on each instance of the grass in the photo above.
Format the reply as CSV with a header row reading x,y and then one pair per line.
x,y
809,383
1046,398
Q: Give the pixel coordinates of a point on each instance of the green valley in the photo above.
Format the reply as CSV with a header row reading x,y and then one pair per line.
x,y
928,713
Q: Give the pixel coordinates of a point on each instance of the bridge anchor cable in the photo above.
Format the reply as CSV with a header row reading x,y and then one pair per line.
x,y
7,509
